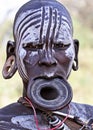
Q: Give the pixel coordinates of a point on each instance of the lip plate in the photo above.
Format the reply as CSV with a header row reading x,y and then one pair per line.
x,y
62,86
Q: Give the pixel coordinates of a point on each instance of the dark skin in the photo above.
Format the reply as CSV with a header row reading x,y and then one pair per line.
x,y
40,56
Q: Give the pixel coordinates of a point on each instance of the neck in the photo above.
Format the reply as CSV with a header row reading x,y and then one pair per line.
x,y
25,84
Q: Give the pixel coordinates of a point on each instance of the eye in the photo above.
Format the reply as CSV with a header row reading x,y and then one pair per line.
x,y
61,46
32,47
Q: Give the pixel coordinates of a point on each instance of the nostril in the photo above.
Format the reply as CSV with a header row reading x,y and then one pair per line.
x,y
54,61
47,61
47,58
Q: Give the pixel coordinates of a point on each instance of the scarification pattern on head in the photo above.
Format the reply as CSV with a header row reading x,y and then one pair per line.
x,y
45,18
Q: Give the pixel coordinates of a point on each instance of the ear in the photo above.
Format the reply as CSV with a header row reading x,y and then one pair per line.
x,y
76,45
10,66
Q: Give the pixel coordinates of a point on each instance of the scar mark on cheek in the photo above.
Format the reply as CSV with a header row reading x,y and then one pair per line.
x,y
33,58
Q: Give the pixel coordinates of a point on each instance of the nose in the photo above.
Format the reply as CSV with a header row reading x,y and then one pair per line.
x,y
47,59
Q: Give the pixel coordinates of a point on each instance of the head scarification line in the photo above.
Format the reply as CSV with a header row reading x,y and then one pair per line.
x,y
42,24
56,19
55,24
65,22
33,21
26,19
49,25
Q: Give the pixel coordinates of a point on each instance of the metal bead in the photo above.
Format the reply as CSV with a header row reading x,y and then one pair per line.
x,y
55,121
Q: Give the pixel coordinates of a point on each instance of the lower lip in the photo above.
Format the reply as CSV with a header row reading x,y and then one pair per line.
x,y
50,93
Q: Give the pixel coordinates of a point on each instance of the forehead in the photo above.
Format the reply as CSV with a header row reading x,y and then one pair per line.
x,y
46,22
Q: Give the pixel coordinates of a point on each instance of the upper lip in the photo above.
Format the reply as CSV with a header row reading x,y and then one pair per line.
x,y
46,77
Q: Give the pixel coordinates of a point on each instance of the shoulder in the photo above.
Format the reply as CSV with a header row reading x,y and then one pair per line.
x,y
81,110
13,115
18,117
19,109
14,109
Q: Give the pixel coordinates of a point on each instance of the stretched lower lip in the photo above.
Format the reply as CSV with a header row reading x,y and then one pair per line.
x,y
50,93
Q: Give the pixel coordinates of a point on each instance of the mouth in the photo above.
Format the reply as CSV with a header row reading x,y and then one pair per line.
x,y
50,93
49,76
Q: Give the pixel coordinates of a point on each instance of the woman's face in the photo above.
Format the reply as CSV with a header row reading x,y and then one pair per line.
x,y
45,46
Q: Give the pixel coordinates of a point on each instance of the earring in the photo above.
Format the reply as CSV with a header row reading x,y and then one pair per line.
x,y
10,67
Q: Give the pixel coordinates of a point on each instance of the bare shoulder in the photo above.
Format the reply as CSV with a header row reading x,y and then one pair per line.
x,y
11,117
82,110
14,109
18,117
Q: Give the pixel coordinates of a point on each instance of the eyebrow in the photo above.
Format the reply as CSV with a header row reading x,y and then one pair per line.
x,y
33,43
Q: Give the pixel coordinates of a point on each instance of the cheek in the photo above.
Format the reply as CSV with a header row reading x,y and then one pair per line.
x,y
62,58
65,58
22,54
31,58
70,53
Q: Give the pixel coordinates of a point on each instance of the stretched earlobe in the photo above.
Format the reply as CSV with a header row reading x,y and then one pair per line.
x,y
9,68
75,64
